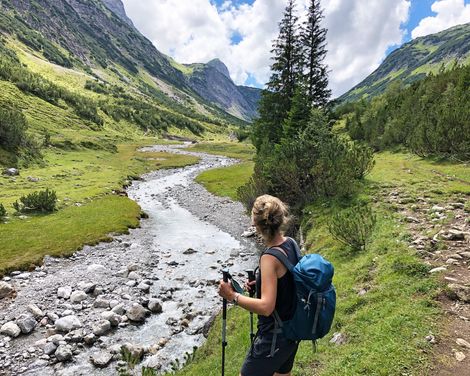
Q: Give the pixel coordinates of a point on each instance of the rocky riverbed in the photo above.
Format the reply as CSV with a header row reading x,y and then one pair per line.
x,y
152,291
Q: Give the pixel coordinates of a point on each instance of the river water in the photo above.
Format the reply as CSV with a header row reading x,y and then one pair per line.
x,y
184,281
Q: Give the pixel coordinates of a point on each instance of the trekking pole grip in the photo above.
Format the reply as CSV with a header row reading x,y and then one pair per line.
x,y
251,278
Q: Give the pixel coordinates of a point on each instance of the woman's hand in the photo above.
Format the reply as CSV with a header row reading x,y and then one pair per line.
x,y
226,291
250,286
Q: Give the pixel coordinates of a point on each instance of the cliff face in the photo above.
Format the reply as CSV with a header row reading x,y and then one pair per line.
x,y
212,81
117,7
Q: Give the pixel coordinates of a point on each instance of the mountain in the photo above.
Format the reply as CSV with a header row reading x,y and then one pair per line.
x,y
212,81
97,35
414,60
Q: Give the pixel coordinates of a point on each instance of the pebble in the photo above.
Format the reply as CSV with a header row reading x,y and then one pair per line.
x,y
68,323
5,289
460,356
438,270
101,359
78,296
461,342
10,329
63,353
26,324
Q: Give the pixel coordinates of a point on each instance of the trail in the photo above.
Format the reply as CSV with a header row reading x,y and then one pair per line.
x,y
173,259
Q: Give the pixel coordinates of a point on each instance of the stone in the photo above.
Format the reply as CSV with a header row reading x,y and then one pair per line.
x,y
87,287
189,251
89,339
50,348
136,313
133,275
438,270
78,296
338,339
132,267
64,292
454,235
68,323
101,328
155,306
461,342
101,302
36,311
431,339
412,220
465,255
143,287
11,172
461,292
112,317
5,289
119,309
56,339
122,273
249,233
10,329
452,261
460,356
135,351
437,209
63,353
96,268
26,324
101,359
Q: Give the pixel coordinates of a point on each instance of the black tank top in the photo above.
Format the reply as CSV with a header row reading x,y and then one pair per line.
x,y
285,299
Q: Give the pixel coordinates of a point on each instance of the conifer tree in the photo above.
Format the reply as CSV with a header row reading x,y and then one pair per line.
x,y
313,39
286,69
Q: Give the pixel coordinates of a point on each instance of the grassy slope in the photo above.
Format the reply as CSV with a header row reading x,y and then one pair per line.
x,y
386,326
225,181
84,181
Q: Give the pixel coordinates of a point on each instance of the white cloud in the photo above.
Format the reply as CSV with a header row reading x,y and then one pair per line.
x,y
197,31
448,13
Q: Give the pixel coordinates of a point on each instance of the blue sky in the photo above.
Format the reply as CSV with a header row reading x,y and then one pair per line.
x,y
361,33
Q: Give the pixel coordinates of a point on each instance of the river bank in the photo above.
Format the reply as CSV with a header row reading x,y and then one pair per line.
x,y
102,297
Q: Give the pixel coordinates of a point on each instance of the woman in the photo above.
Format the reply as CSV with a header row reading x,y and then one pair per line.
x,y
275,293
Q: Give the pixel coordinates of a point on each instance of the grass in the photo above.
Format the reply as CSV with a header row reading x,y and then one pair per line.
x,y
242,151
226,180
84,177
386,327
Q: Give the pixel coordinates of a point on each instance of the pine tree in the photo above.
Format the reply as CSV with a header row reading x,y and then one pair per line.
x,y
313,39
286,70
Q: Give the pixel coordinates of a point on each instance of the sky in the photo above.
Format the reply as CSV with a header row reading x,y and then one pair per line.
x,y
240,32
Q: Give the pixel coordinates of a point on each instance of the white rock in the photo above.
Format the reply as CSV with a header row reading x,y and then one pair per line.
x,y
133,275
36,311
78,296
101,328
64,292
101,359
96,268
438,270
68,323
5,289
463,343
112,317
63,353
101,302
119,309
10,329
338,339
460,356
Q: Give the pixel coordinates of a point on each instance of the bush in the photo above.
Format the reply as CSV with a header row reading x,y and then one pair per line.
x,y
40,201
3,211
353,226
12,128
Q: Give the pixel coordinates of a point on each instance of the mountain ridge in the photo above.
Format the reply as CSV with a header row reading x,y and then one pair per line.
x,y
414,60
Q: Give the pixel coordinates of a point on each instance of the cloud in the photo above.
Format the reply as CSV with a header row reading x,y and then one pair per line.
x,y
448,13
197,31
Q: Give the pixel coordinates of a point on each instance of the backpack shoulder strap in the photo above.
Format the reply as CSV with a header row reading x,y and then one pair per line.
x,y
297,249
281,255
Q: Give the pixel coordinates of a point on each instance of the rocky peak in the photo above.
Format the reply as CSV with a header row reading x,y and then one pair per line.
x,y
117,7
220,67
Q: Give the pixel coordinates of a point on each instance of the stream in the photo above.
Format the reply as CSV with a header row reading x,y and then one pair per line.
x,y
175,258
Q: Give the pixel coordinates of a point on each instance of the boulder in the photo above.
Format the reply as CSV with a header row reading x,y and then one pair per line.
x,y
155,306
68,323
78,296
10,329
63,353
112,317
137,313
462,292
5,289
11,172
101,359
101,328
35,311
64,292
26,324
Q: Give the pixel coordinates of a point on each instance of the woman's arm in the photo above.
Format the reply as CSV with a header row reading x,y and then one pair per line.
x,y
265,306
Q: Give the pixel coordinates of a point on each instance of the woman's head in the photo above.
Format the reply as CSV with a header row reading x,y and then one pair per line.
x,y
270,216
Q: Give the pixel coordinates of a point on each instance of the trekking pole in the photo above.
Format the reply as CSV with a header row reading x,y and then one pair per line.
x,y
225,274
251,278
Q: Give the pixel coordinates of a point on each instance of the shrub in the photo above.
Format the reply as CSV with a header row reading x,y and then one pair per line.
x,y
3,211
12,128
39,201
353,226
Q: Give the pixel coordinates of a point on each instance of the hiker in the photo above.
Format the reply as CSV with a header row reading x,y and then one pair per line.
x,y
275,293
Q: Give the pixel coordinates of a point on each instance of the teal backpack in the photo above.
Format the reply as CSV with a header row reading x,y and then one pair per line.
x,y
315,298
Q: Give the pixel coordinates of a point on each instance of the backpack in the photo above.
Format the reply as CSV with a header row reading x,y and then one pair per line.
x,y
315,297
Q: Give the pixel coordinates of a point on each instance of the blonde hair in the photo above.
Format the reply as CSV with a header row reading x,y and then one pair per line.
x,y
270,215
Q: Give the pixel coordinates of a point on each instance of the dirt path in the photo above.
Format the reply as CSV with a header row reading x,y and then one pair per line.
x,y
152,291
441,236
